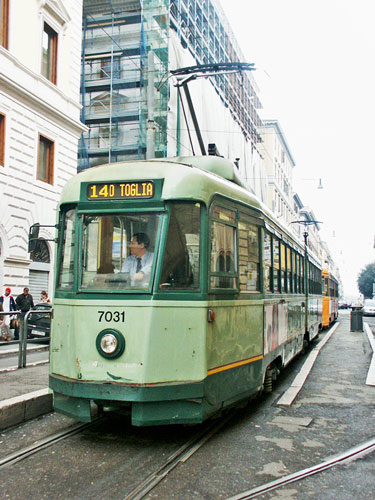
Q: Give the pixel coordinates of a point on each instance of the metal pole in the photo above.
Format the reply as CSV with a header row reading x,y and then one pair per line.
x,y
15,313
23,337
110,99
178,149
194,118
150,133
305,237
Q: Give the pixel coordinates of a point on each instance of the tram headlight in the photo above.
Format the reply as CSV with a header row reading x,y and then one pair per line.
x,y
110,343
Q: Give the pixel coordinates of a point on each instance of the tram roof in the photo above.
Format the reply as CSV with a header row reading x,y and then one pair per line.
x,y
185,178
197,178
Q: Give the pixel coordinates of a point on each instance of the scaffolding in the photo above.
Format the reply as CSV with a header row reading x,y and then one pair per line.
x,y
203,28
125,60
117,38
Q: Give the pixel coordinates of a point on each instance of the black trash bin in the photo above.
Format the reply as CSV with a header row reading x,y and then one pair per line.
x,y
356,319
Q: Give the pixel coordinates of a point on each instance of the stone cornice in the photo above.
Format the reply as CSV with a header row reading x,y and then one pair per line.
x,y
17,261
57,10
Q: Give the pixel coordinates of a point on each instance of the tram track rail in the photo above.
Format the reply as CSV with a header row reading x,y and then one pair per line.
x,y
181,455
346,457
44,443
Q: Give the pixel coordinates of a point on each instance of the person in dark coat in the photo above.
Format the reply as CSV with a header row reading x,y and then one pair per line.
x,y
24,303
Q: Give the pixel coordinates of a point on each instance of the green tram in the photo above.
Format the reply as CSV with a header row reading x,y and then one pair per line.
x,y
226,298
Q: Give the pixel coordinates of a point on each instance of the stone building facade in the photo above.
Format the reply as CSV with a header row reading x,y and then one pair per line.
x,y
39,130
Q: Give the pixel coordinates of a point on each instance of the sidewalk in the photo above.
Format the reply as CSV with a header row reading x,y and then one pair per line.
x,y
24,395
24,392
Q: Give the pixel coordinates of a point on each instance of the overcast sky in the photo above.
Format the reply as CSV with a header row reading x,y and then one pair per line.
x,y
320,58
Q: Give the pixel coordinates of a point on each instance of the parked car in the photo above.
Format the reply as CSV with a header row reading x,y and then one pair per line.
x,y
39,325
369,307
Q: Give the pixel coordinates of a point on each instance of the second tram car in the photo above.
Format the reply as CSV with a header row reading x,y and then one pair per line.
x,y
219,299
330,291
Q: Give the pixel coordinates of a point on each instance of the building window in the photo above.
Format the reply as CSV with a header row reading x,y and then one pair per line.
x,y
49,53
106,68
45,160
4,23
2,140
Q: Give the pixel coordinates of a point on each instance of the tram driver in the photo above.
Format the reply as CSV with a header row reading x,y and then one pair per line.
x,y
139,263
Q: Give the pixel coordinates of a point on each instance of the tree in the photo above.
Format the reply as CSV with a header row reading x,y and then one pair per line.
x,y
365,280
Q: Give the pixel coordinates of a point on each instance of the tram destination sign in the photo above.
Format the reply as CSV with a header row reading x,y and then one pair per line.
x,y
120,190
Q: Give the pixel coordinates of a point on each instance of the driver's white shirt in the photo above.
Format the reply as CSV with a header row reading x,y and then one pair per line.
x,y
130,266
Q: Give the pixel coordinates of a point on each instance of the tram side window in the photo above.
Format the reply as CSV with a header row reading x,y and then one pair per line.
x,y
298,273
248,251
315,282
332,288
294,263
223,256
276,265
267,261
283,268
318,281
289,269
325,286
181,255
66,272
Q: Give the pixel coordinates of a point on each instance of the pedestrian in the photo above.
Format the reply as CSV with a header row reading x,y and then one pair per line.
x,y
24,303
7,304
44,298
2,325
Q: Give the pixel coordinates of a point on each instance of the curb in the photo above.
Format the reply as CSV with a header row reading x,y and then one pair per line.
x,y
290,394
15,368
17,410
12,352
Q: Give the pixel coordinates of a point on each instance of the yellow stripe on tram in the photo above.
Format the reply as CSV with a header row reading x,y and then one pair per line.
x,y
234,365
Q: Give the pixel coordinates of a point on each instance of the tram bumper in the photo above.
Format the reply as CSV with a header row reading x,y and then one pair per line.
x,y
149,405
77,408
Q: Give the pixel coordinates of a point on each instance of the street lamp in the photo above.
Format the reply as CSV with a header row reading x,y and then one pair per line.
x,y
306,223
320,184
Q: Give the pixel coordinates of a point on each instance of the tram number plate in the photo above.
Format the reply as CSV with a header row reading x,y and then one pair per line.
x,y
109,316
120,190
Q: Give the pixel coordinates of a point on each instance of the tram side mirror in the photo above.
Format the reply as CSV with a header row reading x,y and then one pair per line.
x,y
33,237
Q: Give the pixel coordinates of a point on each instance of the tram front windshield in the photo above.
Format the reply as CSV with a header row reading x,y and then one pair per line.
x,y
118,251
